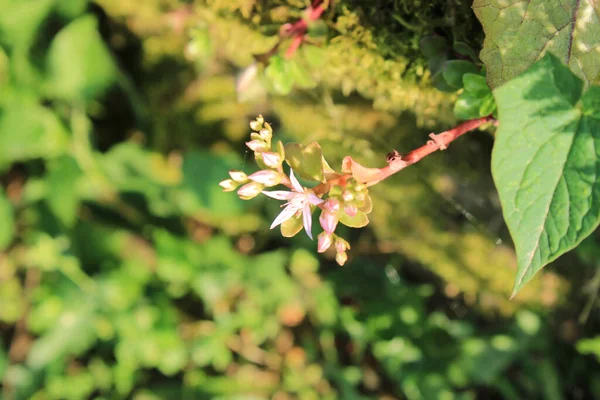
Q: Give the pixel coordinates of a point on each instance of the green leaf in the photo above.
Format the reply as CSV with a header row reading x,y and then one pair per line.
x,y
454,70
358,221
79,63
278,75
432,46
29,130
305,161
467,106
314,55
300,75
63,197
439,82
20,20
317,29
465,50
293,155
546,163
476,85
7,227
292,226
313,162
519,33
488,106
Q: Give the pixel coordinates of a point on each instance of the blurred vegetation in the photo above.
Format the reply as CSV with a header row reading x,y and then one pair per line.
x,y
125,272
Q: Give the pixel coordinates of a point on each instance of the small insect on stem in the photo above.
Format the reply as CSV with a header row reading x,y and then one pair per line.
x,y
392,156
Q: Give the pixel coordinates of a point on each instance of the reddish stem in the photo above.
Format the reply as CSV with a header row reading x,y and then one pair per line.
x,y
299,28
398,162
438,142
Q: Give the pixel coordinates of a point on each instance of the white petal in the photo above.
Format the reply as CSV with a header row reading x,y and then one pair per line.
x,y
278,194
314,199
283,216
297,186
307,220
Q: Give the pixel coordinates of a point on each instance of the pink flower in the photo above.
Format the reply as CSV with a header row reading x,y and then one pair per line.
x,y
299,199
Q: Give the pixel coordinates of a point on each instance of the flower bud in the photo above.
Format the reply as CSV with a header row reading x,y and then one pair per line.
x,y
266,177
257,124
238,176
324,242
271,160
332,205
351,209
347,195
257,146
250,190
341,245
341,258
360,187
328,220
228,185
265,135
335,191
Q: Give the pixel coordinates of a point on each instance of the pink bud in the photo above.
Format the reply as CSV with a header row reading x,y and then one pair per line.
x,y
324,242
332,205
341,258
266,177
228,185
341,245
271,160
328,221
351,210
257,145
250,190
238,176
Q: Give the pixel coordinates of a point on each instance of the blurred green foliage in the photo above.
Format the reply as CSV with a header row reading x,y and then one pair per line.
x,y
125,272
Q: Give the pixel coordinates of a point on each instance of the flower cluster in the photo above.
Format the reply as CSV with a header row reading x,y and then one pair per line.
x,y
342,197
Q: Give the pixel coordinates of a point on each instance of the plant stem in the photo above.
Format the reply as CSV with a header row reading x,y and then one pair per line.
x,y
438,142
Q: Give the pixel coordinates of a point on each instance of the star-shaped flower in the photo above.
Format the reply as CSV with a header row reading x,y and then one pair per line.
x,y
298,199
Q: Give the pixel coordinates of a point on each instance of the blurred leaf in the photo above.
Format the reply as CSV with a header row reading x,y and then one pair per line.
x,y
7,227
301,75
70,9
278,75
439,82
202,172
432,46
465,50
27,131
317,29
294,156
590,346
73,334
79,63
454,70
20,20
63,197
314,55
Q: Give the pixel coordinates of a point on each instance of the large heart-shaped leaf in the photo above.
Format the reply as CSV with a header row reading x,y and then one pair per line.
x,y
517,33
546,163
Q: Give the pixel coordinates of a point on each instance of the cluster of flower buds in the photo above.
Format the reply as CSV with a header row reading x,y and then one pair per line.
x,y
270,161
342,197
